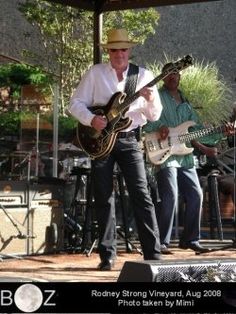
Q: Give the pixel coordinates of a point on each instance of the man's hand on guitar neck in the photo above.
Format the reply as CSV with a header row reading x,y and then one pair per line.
x,y
99,123
206,150
229,128
147,93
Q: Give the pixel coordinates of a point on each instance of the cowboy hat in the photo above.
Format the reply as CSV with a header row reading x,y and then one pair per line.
x,y
118,39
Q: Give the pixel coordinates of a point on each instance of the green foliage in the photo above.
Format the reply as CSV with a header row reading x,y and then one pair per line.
x,y
205,89
66,128
67,36
14,75
10,123
139,23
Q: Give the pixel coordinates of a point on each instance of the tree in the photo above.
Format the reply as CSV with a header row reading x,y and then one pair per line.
x,y
14,75
66,46
67,36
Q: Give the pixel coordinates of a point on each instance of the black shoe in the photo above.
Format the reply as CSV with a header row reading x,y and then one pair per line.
x,y
106,264
195,246
155,257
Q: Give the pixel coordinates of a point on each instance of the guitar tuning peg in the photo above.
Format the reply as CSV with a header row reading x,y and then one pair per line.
x,y
189,59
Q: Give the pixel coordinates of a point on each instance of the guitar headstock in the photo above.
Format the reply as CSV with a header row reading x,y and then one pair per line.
x,y
178,65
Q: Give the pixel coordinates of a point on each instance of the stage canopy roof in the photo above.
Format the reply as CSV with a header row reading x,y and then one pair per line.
x,y
113,5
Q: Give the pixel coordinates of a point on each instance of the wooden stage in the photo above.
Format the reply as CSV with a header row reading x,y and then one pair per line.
x,y
77,267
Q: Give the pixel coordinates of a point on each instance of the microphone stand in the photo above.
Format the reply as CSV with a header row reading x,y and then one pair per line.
x,y
231,171
20,235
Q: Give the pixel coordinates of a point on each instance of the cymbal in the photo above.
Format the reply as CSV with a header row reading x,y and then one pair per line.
x,y
66,150
68,146
69,150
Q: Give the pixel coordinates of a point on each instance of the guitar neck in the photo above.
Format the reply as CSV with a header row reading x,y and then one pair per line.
x,y
132,98
188,137
178,65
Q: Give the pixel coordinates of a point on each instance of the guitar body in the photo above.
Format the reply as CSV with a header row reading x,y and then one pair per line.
x,y
98,144
159,150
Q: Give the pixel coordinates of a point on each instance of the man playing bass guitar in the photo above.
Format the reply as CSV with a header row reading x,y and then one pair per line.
x,y
177,174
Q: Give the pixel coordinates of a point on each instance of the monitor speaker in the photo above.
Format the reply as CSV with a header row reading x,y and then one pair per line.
x,y
169,271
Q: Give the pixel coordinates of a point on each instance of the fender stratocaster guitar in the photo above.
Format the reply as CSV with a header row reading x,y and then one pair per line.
x,y
98,144
159,150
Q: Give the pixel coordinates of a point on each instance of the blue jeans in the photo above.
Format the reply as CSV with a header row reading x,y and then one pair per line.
x,y
173,182
127,154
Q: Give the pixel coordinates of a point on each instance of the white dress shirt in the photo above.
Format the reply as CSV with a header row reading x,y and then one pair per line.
x,y
98,85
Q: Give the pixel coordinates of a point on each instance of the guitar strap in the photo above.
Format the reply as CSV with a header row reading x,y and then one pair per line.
x,y
132,77
130,88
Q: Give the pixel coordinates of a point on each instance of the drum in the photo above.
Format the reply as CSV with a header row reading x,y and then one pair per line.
x,y
69,156
66,168
70,163
82,162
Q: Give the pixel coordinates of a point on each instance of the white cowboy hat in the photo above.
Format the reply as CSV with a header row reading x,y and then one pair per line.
x,y
118,39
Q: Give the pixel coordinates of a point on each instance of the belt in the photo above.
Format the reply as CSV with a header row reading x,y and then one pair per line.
x,y
126,134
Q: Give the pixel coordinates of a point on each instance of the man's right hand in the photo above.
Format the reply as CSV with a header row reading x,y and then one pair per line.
x,y
99,123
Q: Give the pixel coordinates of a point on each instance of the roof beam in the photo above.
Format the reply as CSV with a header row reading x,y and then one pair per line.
x,y
82,4
114,5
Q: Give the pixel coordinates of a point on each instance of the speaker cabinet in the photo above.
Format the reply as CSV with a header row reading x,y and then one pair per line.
x,y
46,216
13,228
31,217
170,271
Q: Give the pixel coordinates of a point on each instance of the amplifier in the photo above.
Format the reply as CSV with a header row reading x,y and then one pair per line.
x,y
31,216
46,216
14,193
13,230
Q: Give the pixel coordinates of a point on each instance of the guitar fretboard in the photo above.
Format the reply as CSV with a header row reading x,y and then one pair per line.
x,y
188,137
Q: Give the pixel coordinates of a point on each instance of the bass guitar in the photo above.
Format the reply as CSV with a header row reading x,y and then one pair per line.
x,y
158,150
97,144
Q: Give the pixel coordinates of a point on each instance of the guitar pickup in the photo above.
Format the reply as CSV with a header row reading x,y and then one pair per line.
x,y
151,146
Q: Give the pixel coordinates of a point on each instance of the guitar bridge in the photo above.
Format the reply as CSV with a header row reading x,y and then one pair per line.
x,y
160,144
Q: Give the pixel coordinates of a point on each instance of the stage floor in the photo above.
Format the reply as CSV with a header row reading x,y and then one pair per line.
x,y
77,267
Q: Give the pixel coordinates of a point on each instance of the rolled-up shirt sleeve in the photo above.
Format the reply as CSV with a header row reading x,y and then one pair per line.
x,y
151,110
